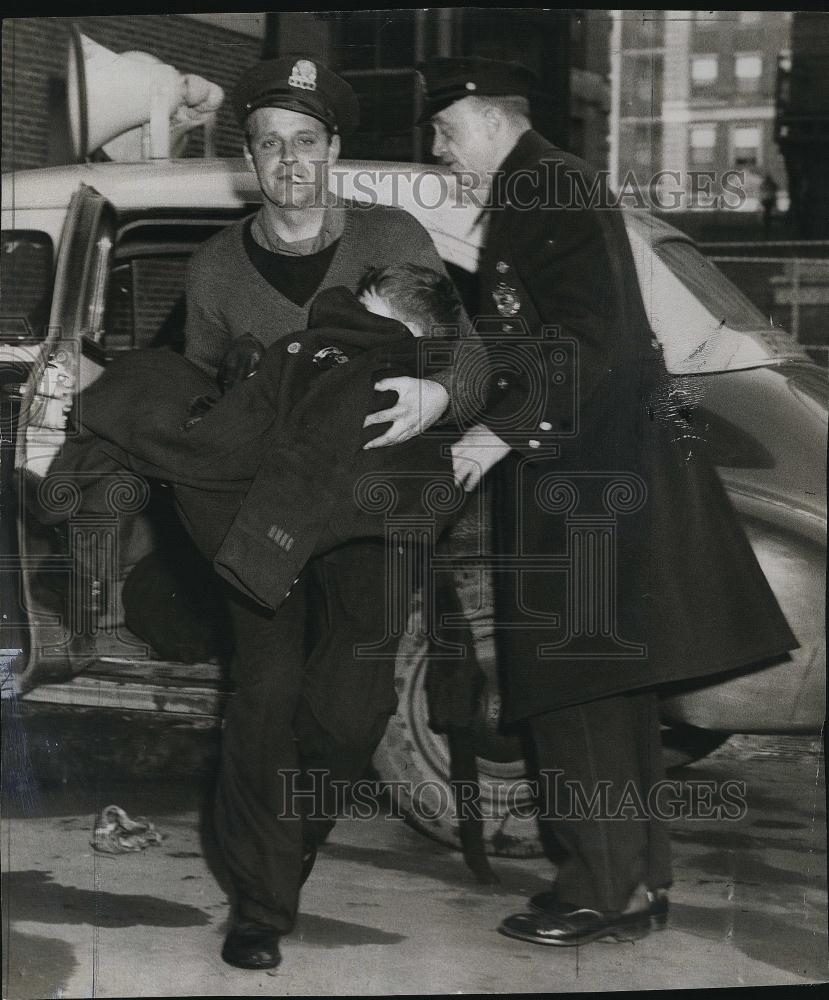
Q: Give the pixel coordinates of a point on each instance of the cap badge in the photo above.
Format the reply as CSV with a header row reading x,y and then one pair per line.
x,y
506,301
303,75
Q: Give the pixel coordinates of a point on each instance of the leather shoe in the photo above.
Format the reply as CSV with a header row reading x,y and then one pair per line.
x,y
573,925
658,906
251,945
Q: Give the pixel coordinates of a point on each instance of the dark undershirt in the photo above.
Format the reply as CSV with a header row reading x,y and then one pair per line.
x,y
297,278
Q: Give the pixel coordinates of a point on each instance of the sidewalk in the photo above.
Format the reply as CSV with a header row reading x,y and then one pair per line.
x,y
388,911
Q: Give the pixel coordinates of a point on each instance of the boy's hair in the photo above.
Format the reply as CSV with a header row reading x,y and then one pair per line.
x,y
417,294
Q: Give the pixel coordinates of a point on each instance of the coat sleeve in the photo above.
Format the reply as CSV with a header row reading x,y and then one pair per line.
x,y
563,263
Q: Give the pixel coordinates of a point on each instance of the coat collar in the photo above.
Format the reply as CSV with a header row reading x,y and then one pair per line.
x,y
340,310
529,148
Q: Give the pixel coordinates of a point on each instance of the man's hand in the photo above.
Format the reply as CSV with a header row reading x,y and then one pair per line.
x,y
474,454
420,402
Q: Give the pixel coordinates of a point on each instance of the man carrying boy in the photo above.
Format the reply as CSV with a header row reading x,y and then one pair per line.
x,y
259,277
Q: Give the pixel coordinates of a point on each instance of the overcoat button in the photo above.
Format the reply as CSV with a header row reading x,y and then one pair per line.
x,y
533,443
294,347
545,425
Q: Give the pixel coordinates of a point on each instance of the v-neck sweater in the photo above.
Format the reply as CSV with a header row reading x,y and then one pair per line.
x,y
227,295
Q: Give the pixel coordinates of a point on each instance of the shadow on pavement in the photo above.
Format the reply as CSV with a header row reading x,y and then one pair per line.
x,y
34,896
35,966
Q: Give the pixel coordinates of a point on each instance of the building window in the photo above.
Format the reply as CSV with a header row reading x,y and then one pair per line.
x,y
645,152
703,140
704,71
377,55
745,143
748,70
642,84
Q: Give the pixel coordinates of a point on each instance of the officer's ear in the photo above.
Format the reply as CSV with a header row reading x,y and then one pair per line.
x,y
334,149
246,150
493,118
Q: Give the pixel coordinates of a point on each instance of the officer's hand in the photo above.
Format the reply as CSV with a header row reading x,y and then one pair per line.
x,y
475,454
420,402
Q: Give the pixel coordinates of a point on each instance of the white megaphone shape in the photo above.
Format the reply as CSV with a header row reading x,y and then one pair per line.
x,y
131,104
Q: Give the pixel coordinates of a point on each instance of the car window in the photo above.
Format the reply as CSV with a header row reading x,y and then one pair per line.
x,y
145,304
702,321
705,280
27,262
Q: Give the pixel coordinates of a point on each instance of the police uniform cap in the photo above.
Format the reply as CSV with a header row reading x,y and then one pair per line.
x,y
447,79
298,83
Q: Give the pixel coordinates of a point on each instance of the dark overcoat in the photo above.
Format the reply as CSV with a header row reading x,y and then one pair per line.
x,y
620,561
275,472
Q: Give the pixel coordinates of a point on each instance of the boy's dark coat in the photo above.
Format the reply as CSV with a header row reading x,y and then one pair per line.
x,y
275,471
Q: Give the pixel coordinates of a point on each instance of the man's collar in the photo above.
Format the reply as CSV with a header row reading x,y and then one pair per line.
x,y
331,229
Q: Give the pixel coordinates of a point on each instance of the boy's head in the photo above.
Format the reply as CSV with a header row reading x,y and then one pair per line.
x,y
417,296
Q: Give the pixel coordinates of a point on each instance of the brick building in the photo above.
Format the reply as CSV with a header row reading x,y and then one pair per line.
x,y
376,50
35,52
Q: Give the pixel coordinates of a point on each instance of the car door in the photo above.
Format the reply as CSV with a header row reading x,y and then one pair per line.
x,y
62,363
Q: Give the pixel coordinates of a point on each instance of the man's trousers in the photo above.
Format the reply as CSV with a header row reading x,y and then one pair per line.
x,y
608,751
307,712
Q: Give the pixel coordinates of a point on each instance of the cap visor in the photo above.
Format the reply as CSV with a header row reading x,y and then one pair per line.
x,y
432,109
291,103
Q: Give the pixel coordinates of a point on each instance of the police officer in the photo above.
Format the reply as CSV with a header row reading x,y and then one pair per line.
x,y
640,571
307,710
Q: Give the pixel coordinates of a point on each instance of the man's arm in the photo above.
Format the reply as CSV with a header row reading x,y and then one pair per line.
x,y
446,396
206,335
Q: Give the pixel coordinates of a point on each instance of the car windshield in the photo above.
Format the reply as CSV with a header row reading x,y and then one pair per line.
x,y
27,285
703,322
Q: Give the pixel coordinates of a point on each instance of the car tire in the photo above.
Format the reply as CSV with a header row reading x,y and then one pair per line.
x,y
416,760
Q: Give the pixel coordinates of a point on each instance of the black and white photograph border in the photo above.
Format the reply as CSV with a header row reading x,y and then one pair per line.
x,y
413,430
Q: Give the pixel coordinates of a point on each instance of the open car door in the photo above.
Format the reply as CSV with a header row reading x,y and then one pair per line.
x,y
61,364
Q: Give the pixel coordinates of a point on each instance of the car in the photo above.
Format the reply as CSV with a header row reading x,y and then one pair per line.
x,y
94,259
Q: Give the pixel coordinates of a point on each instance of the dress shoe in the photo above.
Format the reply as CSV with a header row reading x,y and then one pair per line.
x,y
573,925
251,945
658,906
